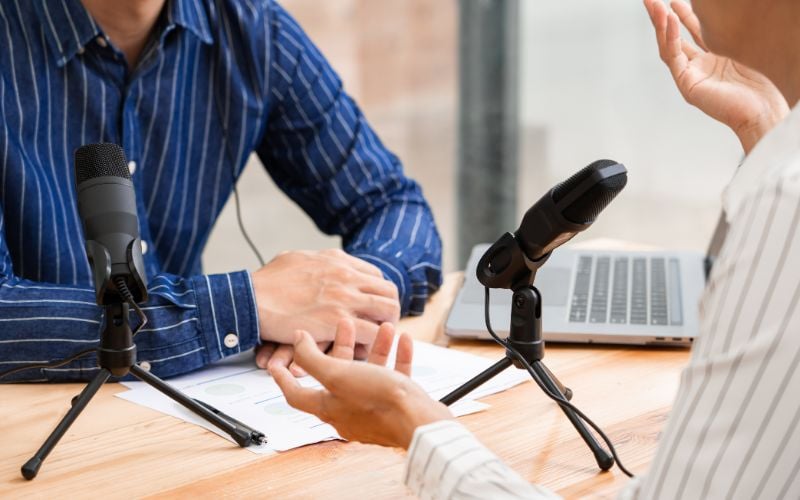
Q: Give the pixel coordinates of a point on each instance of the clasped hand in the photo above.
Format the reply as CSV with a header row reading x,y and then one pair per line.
x,y
312,291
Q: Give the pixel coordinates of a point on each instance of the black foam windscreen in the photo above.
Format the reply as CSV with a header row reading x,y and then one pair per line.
x,y
100,160
587,207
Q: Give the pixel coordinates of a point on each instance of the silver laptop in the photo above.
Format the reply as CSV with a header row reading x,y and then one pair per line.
x,y
598,296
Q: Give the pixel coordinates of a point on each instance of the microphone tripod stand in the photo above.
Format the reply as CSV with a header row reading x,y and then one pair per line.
x,y
116,355
504,266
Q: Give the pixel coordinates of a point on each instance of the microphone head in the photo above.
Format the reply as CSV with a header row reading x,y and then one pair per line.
x,y
590,190
100,160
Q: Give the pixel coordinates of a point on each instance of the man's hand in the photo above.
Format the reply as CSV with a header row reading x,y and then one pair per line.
x,y
741,98
312,291
364,401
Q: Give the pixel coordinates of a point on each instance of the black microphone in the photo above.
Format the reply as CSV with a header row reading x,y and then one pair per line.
x,y
107,208
564,211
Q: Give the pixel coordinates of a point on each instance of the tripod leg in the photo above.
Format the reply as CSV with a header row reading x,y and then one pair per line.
x,y
566,391
32,466
604,460
243,437
477,381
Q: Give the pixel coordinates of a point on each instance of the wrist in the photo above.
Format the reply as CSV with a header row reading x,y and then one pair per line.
x,y
419,410
749,134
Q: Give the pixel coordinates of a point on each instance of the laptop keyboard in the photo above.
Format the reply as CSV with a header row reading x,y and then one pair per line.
x,y
625,290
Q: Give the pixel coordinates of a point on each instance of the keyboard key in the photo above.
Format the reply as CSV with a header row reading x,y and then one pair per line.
x,y
658,292
639,292
599,308
619,292
580,294
675,298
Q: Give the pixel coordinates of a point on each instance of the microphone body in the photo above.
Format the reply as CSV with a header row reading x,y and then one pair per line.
x,y
107,208
564,211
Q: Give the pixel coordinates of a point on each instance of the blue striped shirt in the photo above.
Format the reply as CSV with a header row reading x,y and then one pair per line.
x,y
219,79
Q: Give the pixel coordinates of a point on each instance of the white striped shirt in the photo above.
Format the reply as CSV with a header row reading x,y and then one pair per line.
x,y
733,431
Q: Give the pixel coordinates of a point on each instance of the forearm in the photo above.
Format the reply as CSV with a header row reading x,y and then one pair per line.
x,y
401,239
446,461
322,152
188,322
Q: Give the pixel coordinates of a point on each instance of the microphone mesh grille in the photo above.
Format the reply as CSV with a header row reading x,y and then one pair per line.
x,y
100,160
587,207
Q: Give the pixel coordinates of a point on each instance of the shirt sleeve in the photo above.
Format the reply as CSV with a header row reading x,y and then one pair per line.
x,y
446,461
191,322
323,154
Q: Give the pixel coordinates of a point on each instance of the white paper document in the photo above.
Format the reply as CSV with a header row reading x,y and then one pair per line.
x,y
247,393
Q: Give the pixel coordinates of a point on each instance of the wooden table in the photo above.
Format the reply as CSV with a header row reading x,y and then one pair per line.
x,y
118,449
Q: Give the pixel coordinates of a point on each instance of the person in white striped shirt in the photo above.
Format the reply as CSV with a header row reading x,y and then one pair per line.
x,y
733,431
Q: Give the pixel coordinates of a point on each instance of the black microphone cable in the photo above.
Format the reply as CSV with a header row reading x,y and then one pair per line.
x,y
123,290
126,294
54,364
561,401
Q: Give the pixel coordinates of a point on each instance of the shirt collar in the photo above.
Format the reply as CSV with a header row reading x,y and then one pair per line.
x,y
191,15
768,158
70,27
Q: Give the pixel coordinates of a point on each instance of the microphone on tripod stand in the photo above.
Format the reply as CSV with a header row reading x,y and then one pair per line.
x,y
107,207
511,263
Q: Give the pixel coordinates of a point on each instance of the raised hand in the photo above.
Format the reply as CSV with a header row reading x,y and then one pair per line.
x,y
740,97
364,401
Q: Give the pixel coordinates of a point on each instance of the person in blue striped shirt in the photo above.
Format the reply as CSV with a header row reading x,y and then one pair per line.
x,y
190,89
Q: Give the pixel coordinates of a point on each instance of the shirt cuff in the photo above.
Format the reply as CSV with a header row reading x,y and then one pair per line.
x,y
439,455
445,460
227,311
415,282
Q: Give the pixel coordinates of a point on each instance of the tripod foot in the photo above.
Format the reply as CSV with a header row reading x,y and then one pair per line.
x,y
604,460
31,468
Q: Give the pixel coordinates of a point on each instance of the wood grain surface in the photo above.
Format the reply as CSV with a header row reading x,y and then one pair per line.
x,y
120,450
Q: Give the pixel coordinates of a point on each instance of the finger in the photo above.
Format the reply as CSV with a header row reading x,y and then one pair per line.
x,y
361,352
345,341
690,50
379,354
379,286
366,331
658,16
377,308
312,360
359,265
674,56
297,370
689,19
282,356
405,354
263,353
303,398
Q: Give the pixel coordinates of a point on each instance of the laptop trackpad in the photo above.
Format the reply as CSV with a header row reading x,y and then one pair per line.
x,y
553,282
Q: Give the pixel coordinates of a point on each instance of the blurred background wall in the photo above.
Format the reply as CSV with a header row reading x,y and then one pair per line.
x,y
591,86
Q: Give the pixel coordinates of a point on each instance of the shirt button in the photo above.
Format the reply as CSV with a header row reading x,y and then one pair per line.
x,y
144,247
144,365
81,50
132,166
231,340
101,41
